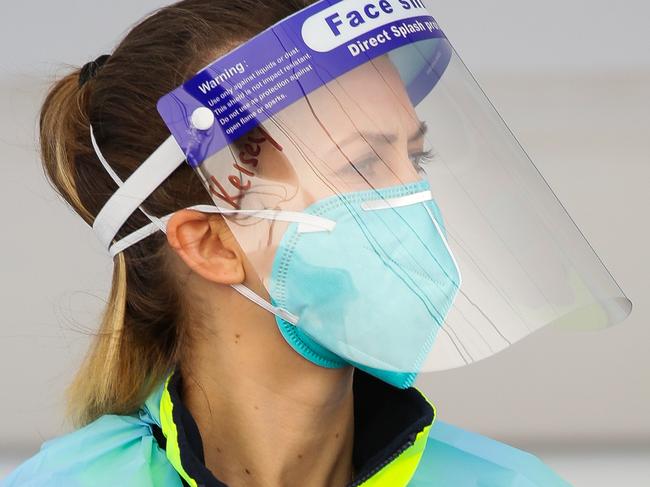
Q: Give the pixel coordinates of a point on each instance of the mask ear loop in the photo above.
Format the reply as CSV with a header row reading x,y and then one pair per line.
x,y
309,223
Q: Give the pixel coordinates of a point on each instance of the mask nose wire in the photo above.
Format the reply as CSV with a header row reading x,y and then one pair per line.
x,y
311,222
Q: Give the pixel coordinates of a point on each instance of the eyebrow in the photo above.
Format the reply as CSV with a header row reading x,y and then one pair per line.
x,y
377,137
421,131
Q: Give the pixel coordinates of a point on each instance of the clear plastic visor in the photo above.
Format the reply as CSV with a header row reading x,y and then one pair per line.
x,y
428,238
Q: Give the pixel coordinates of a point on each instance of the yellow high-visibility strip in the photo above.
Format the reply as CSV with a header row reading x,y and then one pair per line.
x,y
400,471
171,434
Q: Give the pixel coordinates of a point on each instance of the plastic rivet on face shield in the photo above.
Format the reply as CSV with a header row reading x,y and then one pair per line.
x,y
394,220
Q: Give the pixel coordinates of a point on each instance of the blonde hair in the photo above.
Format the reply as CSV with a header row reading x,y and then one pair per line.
x,y
143,330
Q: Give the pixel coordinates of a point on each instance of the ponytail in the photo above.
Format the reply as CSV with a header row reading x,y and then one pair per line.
x,y
143,329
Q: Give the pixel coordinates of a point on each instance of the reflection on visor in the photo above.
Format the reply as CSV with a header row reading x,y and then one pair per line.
x,y
442,243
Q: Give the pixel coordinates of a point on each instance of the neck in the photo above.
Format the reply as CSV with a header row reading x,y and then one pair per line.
x,y
267,416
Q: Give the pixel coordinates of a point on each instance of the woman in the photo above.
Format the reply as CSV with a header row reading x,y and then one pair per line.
x,y
190,381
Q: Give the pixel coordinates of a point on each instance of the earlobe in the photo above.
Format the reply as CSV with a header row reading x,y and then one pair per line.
x,y
206,245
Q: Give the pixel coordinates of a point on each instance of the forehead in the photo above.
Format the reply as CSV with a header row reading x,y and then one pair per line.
x,y
369,99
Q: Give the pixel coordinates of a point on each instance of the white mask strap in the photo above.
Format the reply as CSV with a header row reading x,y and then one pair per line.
x,y
307,223
263,303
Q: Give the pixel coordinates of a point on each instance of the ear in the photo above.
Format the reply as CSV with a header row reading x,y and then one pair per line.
x,y
207,246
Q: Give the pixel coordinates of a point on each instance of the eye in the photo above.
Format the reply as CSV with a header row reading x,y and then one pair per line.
x,y
421,159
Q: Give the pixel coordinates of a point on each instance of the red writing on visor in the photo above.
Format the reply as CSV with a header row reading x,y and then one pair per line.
x,y
238,183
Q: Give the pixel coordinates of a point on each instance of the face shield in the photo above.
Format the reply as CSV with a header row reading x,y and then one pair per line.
x,y
396,223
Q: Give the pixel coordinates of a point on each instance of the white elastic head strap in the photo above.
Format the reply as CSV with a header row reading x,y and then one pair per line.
x,y
154,220
144,181
152,173
136,189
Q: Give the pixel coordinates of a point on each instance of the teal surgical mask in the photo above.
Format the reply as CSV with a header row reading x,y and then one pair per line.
x,y
374,291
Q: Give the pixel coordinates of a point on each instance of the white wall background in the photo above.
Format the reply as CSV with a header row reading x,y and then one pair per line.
x,y
572,79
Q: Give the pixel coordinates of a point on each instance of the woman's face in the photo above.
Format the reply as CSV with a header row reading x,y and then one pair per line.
x,y
356,133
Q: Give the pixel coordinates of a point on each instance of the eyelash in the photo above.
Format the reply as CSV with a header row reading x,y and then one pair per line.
x,y
420,159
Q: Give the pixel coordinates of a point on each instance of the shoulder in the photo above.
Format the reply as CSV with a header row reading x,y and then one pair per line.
x,y
457,457
113,450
